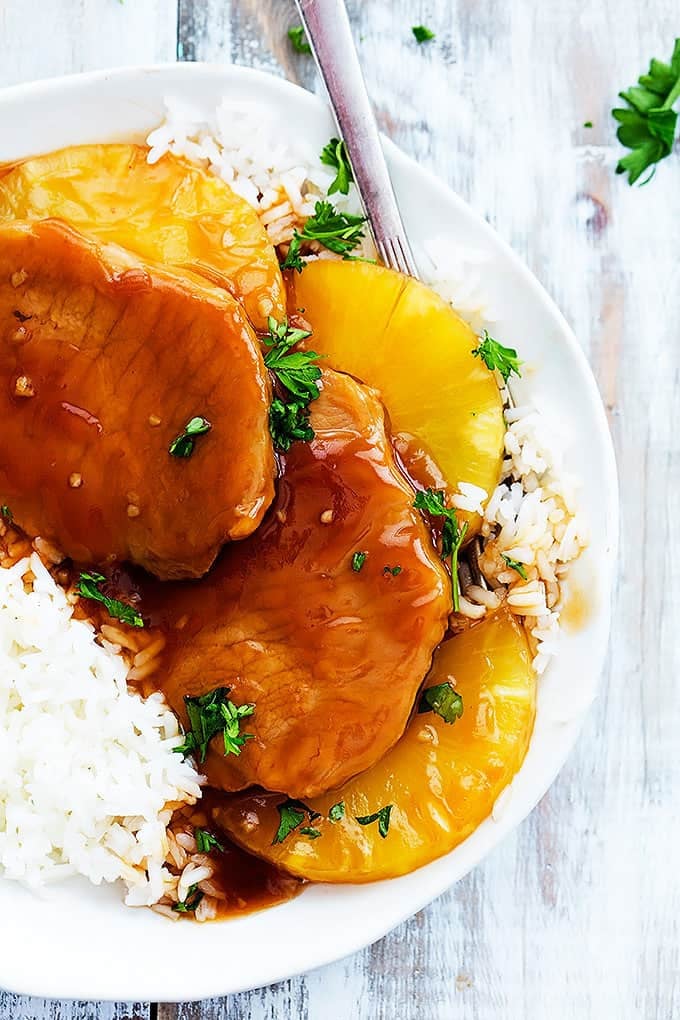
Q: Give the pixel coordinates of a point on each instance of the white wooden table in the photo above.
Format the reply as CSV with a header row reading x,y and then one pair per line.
x,y
576,916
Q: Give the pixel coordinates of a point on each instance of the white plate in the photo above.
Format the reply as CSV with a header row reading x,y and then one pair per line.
x,y
81,942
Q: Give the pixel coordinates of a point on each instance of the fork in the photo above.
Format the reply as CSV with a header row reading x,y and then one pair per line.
x,y
330,37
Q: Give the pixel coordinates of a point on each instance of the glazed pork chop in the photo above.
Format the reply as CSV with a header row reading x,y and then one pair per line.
x,y
103,363
325,619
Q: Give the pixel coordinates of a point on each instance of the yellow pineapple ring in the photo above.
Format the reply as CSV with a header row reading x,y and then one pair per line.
x,y
172,213
397,335
441,779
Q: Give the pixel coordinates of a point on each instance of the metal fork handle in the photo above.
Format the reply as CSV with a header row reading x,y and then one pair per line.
x,y
330,36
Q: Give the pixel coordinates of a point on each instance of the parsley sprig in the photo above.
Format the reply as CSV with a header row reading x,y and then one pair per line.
x,y
443,700
298,39
298,375
89,587
515,565
205,841
291,816
497,357
432,501
340,232
209,715
647,124
335,154
183,444
190,902
422,33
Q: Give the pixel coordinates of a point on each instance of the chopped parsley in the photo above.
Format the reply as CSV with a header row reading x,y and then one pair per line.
x,y
382,817
6,513
209,715
393,571
205,841
334,154
443,700
191,901
291,815
515,565
337,811
308,830
422,33
338,231
298,39
497,357
432,501
183,444
587,123
89,587
647,124
298,374
358,560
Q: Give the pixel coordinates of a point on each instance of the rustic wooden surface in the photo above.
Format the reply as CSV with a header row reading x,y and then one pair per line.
x,y
577,914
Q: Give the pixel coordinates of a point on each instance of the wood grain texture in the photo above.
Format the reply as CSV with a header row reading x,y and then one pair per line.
x,y
575,915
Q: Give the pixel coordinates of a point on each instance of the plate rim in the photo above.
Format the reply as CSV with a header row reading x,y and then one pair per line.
x,y
93,988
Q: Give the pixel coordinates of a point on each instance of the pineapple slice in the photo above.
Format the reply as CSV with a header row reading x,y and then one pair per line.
x,y
397,335
171,213
441,780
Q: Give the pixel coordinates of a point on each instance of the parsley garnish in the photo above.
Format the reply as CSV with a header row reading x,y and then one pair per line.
x,y
205,841
443,700
394,571
297,372
6,513
587,123
209,715
307,830
189,904
515,565
495,356
337,811
291,815
335,154
298,39
88,588
648,122
358,560
422,34
338,231
183,444
453,533
382,817
289,422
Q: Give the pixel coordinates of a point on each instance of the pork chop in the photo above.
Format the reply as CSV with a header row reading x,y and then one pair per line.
x,y
103,363
329,646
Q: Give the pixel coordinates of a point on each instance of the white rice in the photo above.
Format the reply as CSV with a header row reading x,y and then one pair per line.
x,y
87,769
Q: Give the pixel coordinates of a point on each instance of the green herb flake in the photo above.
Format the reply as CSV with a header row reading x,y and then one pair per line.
x,y
496,357
648,123
289,423
337,811
191,901
89,587
515,565
422,33
183,444
298,39
205,841
382,817
308,830
291,815
6,513
338,231
587,123
432,502
209,715
392,571
443,700
334,154
358,560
